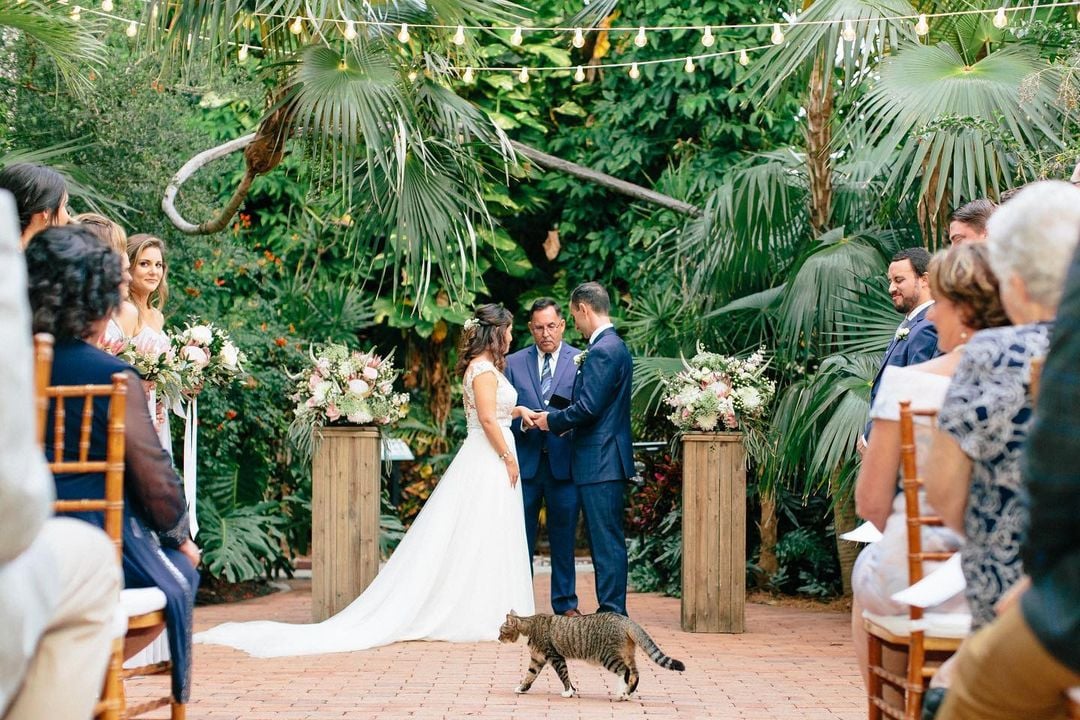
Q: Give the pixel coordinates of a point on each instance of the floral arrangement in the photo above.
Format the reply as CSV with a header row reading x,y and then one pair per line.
x,y
157,364
346,387
207,356
718,392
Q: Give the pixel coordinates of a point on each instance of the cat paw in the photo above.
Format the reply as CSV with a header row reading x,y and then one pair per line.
x,y
568,693
521,689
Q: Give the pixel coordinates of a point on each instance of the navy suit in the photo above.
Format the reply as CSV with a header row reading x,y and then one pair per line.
x,y
919,346
544,459
602,458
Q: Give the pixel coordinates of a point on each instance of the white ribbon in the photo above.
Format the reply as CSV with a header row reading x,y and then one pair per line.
x,y
191,444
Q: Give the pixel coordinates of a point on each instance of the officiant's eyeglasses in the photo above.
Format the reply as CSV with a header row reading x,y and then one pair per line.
x,y
550,327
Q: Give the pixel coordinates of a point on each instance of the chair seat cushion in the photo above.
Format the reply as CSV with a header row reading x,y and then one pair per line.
x,y
942,625
139,601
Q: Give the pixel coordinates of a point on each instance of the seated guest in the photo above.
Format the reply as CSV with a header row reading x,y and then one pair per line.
x,y
59,583
1019,666
41,197
973,477
966,300
122,323
967,223
74,289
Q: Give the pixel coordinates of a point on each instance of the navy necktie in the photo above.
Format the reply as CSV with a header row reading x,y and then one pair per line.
x,y
545,378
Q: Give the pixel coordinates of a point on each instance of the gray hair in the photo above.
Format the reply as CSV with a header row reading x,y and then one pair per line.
x,y
1034,237
592,294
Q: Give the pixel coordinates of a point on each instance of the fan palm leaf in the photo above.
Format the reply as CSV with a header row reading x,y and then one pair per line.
x,y
73,46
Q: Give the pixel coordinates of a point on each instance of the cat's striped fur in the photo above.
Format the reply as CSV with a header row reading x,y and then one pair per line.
x,y
606,639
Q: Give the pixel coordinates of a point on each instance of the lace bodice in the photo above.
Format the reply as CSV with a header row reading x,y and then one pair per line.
x,y
505,395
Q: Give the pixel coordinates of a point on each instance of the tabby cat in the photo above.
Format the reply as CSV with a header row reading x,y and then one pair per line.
x,y
606,639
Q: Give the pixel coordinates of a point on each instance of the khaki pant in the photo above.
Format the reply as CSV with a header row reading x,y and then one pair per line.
x,y
64,677
1004,673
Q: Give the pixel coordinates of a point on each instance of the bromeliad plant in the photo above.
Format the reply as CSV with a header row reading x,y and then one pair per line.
x,y
717,392
345,387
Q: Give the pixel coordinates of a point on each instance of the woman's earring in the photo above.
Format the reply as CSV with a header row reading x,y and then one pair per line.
x,y
963,335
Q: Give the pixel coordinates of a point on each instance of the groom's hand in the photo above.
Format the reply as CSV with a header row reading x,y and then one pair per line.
x,y
541,421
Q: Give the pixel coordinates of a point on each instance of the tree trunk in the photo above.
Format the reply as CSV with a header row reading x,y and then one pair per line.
x,y
767,529
819,109
844,520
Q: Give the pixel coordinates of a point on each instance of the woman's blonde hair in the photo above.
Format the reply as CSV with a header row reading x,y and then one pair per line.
x,y
105,229
963,276
136,245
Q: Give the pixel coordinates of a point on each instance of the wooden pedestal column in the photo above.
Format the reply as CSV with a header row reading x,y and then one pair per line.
x,y
345,487
714,533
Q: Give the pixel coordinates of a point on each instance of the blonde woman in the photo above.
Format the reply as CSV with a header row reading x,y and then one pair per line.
x,y
122,322
148,292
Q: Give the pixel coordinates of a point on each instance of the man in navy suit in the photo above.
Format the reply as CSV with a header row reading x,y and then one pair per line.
x,y
601,455
538,372
915,340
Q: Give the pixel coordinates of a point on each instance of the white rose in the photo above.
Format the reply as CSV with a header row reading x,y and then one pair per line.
x,y
195,355
360,417
385,388
201,334
359,387
321,391
371,373
230,355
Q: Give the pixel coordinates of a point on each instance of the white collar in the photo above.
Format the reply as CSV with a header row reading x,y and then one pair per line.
x,y
554,353
597,331
914,313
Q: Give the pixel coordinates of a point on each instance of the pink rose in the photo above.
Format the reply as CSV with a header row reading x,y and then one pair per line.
x,y
332,413
314,380
371,373
195,355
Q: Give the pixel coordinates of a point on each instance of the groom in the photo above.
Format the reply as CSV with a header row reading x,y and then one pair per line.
x,y
601,456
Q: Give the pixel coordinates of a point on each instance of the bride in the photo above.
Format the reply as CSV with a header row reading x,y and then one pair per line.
x,y
464,564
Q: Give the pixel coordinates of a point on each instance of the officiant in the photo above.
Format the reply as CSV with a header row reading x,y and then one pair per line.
x,y
543,375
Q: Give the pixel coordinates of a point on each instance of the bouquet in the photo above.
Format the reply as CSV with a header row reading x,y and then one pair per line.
x,y
206,355
155,362
718,392
346,387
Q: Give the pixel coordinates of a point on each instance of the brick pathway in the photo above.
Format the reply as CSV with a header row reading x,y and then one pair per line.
x,y
792,663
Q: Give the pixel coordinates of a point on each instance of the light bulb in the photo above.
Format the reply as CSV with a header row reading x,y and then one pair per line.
x,y
579,75
107,5
242,56
515,39
350,30
922,27
579,38
76,13
848,33
412,76
459,36
689,66
640,40
634,72
523,76
132,29
744,59
468,76
777,35
1000,20
297,26
707,38
403,33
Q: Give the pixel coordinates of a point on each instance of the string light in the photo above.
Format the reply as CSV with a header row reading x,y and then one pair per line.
x,y
579,38
412,76
297,26
777,37
634,72
922,27
403,33
242,56
744,59
707,38
579,74
640,40
848,33
343,66
459,36
350,30
468,76
1000,21
523,76
132,29
107,5
689,66
76,13
515,39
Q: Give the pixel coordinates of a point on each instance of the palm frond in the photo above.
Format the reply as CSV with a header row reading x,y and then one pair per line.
x,y
73,46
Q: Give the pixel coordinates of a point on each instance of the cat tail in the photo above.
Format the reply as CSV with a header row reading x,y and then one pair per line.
x,y
654,652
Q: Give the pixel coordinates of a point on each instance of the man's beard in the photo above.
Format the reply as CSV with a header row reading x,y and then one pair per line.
x,y
906,305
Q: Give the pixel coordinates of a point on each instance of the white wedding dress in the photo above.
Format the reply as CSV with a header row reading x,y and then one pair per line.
x,y
461,567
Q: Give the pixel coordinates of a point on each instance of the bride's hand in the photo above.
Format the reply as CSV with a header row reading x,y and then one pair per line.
x,y
512,470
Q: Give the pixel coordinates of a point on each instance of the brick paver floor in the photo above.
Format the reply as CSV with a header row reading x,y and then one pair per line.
x,y
791,663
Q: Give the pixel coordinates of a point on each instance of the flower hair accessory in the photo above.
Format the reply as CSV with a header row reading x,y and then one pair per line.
x,y
472,323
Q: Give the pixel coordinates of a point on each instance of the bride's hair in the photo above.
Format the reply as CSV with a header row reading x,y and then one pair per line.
x,y
484,332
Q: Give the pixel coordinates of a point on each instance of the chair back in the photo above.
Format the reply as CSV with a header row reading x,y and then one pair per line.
x,y
1035,378
112,504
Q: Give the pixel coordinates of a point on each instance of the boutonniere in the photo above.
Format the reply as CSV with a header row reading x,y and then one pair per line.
x,y
579,359
902,333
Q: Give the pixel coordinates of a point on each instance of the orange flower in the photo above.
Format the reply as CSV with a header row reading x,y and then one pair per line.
x,y
281,342
230,414
219,282
199,263
193,292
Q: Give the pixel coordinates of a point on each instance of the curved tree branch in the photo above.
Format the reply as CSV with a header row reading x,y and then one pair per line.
x,y
192,166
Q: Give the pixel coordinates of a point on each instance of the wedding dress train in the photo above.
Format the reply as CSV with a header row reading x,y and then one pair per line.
x,y
459,569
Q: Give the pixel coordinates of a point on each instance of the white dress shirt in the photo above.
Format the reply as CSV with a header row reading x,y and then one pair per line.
x,y
554,361
597,331
914,313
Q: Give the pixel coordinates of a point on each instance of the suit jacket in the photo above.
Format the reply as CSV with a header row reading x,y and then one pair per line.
x,y
919,346
523,372
600,414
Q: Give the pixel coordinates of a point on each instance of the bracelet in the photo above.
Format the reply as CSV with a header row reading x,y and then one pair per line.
x,y
505,454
